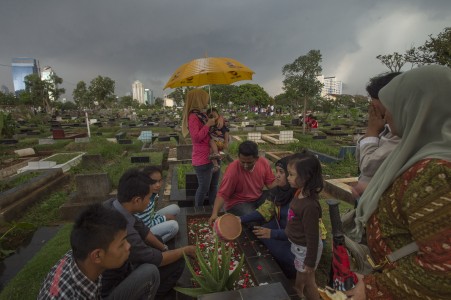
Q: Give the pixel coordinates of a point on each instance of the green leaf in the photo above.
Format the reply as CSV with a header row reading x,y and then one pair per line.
x,y
235,274
214,261
206,272
24,225
193,292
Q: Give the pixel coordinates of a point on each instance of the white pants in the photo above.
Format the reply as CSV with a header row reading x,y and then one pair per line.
x,y
168,229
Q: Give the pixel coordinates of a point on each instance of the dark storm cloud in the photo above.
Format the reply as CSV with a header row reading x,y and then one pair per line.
x,y
148,40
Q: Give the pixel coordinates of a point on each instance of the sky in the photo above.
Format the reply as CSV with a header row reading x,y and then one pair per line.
x,y
147,40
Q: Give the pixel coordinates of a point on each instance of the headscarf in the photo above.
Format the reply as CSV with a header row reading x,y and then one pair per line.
x,y
420,103
195,99
283,195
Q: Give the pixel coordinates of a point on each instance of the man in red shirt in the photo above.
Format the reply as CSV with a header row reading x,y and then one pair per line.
x,y
241,190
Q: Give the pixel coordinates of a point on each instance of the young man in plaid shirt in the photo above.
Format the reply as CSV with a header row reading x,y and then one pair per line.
x,y
98,242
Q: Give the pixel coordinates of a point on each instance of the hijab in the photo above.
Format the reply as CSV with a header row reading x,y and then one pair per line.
x,y
283,195
420,103
195,100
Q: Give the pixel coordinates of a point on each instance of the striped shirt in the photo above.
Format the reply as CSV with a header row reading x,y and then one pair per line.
x,y
149,217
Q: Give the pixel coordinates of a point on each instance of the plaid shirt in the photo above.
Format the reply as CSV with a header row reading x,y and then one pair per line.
x,y
66,281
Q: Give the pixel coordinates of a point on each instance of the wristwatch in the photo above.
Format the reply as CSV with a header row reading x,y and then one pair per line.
x,y
165,248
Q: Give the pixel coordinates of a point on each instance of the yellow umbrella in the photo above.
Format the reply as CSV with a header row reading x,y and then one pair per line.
x,y
209,70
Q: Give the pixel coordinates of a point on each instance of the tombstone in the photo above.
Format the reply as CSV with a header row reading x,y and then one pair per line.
x,y
184,151
46,141
58,134
25,152
164,139
346,150
295,122
145,137
139,159
89,189
92,121
8,141
120,136
319,137
277,123
82,140
92,161
286,135
254,136
260,128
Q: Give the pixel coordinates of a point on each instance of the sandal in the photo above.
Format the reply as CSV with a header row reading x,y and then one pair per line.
x,y
215,169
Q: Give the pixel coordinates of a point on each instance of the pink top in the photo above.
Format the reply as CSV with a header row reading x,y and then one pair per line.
x,y
240,186
200,138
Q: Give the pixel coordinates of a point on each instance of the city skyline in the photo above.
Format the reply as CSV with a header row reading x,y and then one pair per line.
x,y
85,39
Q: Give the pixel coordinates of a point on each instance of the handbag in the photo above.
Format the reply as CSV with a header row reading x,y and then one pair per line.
x,y
359,253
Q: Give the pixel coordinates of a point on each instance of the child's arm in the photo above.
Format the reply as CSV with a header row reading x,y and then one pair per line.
x,y
226,140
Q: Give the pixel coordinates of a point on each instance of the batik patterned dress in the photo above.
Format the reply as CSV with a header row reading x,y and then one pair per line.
x,y
416,207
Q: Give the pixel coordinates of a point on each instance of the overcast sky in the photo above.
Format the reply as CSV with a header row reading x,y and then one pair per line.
x,y
147,40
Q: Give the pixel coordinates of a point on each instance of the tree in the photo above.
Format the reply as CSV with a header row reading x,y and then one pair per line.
x,y
436,50
301,78
81,95
43,91
252,94
179,95
393,61
101,90
159,101
7,99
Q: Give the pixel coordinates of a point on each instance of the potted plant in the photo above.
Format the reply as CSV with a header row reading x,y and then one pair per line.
x,y
215,274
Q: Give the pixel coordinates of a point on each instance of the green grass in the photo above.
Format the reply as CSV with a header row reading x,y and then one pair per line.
x,y
61,158
26,284
18,180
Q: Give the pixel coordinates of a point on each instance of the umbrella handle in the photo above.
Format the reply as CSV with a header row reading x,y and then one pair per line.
x,y
334,213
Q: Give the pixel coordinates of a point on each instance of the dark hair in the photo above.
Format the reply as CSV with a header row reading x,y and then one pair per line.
x,y
149,170
94,228
378,82
212,109
309,174
248,148
133,183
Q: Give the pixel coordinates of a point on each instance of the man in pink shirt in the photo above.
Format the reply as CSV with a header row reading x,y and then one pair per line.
x,y
241,189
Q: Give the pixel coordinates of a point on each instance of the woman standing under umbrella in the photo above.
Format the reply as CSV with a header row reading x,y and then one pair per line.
x,y
197,124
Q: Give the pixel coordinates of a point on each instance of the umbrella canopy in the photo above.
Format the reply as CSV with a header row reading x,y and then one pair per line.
x,y
209,70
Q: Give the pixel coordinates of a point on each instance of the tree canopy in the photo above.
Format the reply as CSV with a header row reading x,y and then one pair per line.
x,y
436,50
42,92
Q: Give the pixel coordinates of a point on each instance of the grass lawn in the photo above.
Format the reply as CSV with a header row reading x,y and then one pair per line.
x,y
26,284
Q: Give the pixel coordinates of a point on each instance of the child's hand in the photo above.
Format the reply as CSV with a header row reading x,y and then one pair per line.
x,y
262,232
309,270
211,122
170,217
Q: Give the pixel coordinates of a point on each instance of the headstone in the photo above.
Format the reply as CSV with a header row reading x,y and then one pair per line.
x,y
145,136
58,134
25,152
184,151
139,159
286,135
82,140
277,123
89,189
125,142
254,136
91,161
295,122
46,141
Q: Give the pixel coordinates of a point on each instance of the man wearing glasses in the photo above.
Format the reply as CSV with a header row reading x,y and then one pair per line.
x,y
241,190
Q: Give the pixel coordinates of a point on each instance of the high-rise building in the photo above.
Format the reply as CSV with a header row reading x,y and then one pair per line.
x,y
138,91
21,67
148,97
332,86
